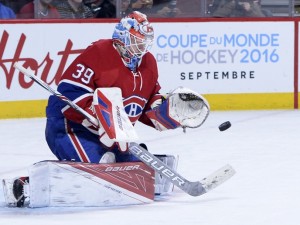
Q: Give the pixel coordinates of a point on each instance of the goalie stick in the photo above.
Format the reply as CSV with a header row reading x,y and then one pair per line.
x,y
192,188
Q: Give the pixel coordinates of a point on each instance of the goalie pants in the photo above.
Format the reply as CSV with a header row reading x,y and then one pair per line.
x,y
73,142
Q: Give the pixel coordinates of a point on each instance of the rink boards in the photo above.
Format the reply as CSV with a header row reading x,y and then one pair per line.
x,y
236,65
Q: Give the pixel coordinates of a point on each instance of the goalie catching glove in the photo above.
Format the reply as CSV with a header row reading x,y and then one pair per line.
x,y
181,108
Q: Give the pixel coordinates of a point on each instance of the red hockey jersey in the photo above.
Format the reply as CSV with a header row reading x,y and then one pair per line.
x,y
100,65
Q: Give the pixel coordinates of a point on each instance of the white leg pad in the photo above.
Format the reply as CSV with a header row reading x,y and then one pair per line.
x,y
80,184
162,186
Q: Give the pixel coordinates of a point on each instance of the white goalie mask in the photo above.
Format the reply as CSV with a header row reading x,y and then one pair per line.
x,y
134,35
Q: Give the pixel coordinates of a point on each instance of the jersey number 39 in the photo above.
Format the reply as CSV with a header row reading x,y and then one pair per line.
x,y
83,73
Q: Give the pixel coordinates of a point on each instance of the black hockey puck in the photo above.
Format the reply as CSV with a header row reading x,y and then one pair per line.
x,y
224,126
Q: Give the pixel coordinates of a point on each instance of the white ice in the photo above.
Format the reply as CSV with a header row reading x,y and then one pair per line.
x,y
262,146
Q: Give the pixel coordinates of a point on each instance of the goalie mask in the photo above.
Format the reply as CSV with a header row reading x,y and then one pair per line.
x,y
134,37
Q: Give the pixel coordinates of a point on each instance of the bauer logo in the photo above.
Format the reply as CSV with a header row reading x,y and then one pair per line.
x,y
159,166
134,106
122,168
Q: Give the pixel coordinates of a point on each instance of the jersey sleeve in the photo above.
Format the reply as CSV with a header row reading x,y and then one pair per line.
x,y
77,83
144,118
155,95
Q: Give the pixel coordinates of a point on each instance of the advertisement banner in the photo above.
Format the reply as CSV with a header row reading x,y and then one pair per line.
x,y
226,57
46,48
213,58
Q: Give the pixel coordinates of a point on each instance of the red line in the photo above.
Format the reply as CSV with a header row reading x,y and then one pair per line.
x,y
296,69
77,144
151,19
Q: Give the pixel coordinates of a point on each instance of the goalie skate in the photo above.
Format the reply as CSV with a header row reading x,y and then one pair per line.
x,y
16,191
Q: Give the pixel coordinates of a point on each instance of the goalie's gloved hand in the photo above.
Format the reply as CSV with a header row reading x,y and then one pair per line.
x,y
109,143
115,128
87,124
182,108
160,117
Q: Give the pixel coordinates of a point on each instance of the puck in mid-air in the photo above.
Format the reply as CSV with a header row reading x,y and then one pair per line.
x,y
224,126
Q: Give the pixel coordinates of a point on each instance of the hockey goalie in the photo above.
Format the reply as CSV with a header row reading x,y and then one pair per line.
x,y
107,182
115,81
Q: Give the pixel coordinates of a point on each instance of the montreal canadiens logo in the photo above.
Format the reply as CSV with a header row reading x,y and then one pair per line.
x,y
134,106
147,29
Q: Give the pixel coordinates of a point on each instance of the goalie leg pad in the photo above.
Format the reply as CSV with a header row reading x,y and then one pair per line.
x,y
162,186
54,184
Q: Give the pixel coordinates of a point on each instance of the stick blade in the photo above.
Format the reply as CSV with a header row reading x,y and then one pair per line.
x,y
210,182
194,188
217,178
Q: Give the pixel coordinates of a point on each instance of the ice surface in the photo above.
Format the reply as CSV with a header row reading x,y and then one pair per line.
x,y
262,146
